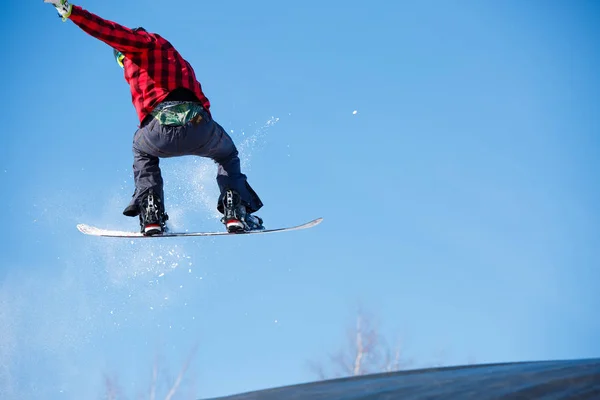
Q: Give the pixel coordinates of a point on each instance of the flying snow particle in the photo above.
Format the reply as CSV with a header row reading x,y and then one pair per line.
x,y
354,112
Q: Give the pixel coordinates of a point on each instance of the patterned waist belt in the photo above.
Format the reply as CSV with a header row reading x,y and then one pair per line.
x,y
177,112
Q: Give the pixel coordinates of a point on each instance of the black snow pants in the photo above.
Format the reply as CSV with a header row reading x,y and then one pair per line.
x,y
201,136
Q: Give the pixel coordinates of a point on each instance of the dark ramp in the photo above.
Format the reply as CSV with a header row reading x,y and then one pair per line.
x,y
577,379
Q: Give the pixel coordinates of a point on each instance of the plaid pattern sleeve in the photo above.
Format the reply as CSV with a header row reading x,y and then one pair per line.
x,y
152,66
117,36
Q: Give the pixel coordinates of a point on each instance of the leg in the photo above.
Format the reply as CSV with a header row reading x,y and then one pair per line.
x,y
147,176
219,146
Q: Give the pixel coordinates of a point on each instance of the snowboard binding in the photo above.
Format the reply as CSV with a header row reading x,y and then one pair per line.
x,y
235,217
152,215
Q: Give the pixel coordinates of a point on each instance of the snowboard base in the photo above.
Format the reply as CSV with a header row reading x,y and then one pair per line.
x,y
95,231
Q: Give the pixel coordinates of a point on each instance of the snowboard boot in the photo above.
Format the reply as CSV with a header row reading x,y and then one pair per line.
x,y
152,215
235,217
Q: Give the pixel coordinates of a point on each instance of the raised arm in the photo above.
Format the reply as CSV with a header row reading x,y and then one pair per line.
x,y
115,35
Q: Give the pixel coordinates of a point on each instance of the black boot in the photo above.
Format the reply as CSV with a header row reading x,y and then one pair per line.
x,y
152,214
235,217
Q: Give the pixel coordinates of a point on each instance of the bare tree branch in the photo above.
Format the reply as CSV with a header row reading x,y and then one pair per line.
x,y
360,351
317,369
154,379
179,378
112,388
113,391
344,367
366,352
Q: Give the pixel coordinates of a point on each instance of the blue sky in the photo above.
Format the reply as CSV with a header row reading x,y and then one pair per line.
x,y
460,202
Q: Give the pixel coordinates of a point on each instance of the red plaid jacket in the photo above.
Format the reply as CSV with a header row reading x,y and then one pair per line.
x,y
153,68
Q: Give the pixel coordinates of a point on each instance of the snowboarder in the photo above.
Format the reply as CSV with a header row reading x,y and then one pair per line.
x,y
175,120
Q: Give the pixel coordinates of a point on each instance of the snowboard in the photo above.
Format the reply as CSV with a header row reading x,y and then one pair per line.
x,y
94,231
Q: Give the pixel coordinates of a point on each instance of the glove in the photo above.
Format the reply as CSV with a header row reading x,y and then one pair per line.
x,y
62,6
